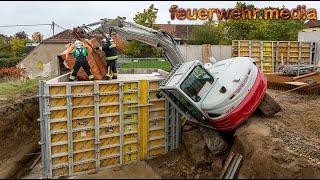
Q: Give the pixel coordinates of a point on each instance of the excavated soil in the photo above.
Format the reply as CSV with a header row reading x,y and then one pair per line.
x,y
284,146
19,132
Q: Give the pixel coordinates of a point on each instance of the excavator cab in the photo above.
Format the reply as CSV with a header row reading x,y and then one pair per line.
x,y
187,85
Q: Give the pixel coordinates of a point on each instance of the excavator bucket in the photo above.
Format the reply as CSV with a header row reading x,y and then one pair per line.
x,y
96,60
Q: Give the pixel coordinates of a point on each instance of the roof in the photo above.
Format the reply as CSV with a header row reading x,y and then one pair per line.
x,y
65,36
181,31
312,23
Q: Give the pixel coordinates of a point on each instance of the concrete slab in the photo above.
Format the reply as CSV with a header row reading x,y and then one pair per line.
x,y
137,170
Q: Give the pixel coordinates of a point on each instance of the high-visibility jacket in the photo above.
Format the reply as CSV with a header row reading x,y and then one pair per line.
x,y
76,52
110,49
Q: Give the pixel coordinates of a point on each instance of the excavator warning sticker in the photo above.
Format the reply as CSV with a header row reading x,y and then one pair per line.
x,y
204,89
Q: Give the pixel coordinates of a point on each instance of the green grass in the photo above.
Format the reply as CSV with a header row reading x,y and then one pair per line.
x,y
164,65
18,87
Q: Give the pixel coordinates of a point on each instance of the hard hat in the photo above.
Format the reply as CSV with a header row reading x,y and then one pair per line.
x,y
108,36
104,40
78,44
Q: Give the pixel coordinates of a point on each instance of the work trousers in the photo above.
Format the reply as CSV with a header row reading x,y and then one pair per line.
x,y
111,66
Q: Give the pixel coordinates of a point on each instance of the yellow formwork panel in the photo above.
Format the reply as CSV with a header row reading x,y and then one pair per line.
x,y
84,167
82,89
157,105
141,129
130,147
110,141
109,152
82,101
82,123
57,90
110,162
84,134
109,120
57,102
58,126
109,109
60,171
109,99
156,123
78,157
58,114
109,130
59,149
59,160
130,97
156,133
130,128
130,86
83,145
156,114
108,88
130,137
82,112
154,85
130,157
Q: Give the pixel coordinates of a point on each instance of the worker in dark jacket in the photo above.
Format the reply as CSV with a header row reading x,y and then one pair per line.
x,y
110,49
81,54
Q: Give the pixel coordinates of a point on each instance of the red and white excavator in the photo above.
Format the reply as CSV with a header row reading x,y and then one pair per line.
x,y
220,95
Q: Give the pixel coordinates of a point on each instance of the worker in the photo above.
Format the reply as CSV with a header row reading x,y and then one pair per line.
x,y
110,49
81,54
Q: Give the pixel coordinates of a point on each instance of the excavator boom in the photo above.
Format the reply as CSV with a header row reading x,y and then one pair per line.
x,y
132,31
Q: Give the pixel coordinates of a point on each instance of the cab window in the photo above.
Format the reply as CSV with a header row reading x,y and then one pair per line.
x,y
195,81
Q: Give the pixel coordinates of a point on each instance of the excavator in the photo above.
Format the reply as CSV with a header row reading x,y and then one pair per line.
x,y
219,95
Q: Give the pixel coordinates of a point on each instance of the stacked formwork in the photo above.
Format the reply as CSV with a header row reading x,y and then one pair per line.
x,y
270,55
88,126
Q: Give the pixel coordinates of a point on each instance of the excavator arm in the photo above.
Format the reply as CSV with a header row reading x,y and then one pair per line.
x,y
132,31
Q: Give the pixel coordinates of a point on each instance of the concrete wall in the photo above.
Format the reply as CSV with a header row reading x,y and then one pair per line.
x,y
309,36
194,52
42,61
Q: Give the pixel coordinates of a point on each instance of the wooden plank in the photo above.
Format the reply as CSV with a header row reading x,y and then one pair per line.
x,y
295,83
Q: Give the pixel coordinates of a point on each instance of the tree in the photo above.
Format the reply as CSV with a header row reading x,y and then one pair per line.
x,y
21,35
37,37
137,49
17,46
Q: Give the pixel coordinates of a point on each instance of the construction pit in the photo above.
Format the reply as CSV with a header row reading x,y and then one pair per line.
x,y
284,146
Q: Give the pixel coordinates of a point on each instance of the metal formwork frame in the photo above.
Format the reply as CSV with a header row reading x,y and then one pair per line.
x,y
45,111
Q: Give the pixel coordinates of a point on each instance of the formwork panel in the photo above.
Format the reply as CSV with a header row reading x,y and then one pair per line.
x,y
109,109
82,101
83,145
60,148
82,123
57,90
58,114
82,89
60,172
110,162
108,88
109,99
94,125
82,112
58,102
84,167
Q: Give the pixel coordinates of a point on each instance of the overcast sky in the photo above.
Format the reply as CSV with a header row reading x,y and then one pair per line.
x,y
73,13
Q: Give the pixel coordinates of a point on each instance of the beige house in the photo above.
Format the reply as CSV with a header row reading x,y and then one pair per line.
x,y
44,60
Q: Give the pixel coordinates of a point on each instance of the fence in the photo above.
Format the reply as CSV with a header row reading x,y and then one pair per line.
x,y
91,125
269,55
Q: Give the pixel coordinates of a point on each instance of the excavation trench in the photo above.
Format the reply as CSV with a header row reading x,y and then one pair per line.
x,y
19,132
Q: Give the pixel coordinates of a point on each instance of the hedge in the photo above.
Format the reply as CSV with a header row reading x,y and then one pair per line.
x,y
10,62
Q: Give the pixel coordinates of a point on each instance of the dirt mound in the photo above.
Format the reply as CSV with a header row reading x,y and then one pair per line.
x,y
285,146
19,132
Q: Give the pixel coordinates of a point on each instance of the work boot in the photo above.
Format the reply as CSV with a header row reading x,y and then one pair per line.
x,y
72,78
114,77
91,78
107,78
